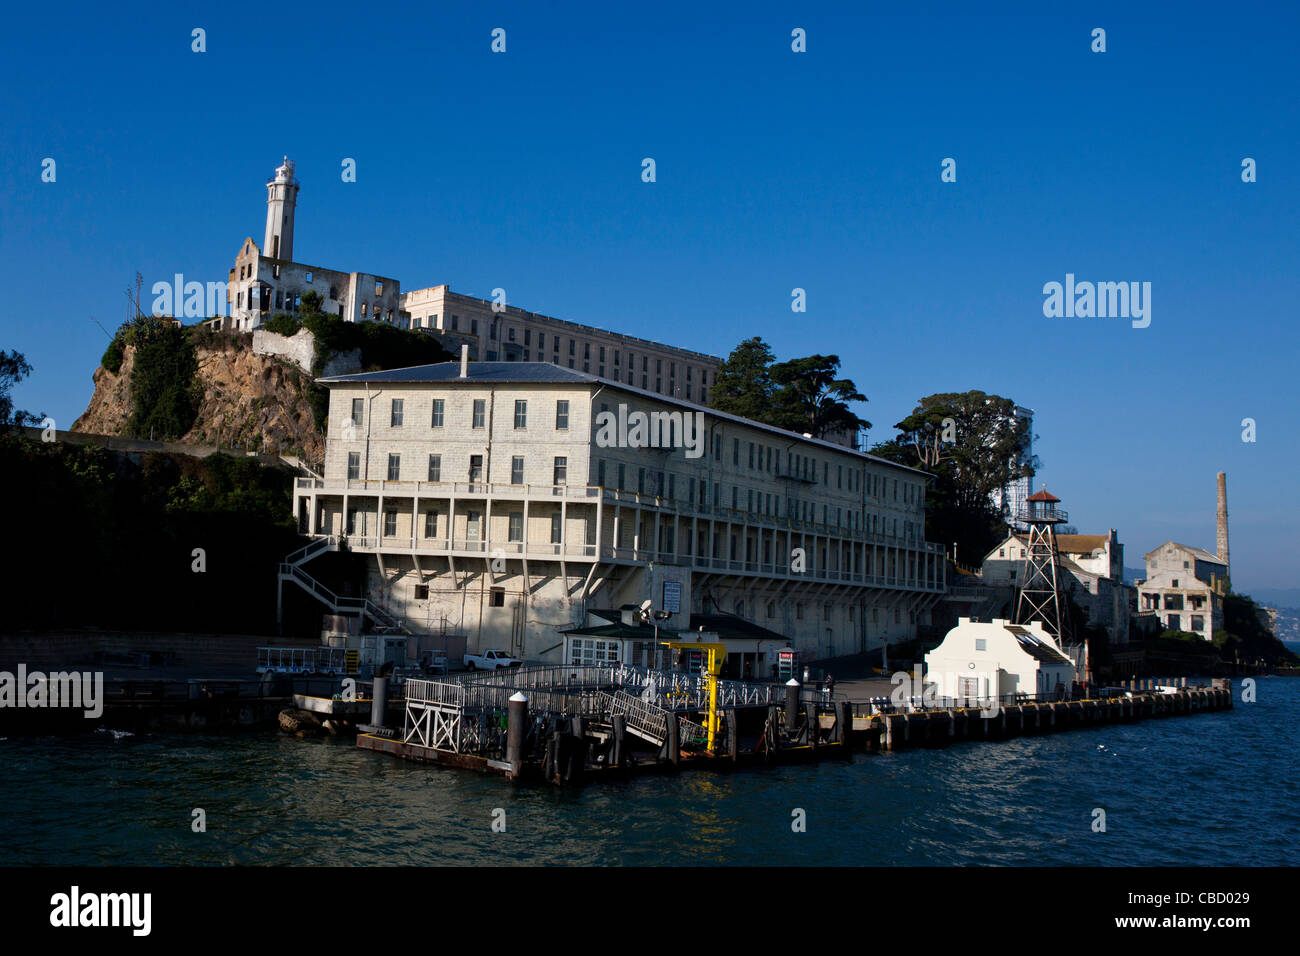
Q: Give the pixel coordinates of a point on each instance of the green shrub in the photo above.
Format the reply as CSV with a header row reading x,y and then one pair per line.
x,y
112,359
282,324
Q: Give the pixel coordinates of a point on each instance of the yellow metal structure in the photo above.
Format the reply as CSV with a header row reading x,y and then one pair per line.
x,y
714,654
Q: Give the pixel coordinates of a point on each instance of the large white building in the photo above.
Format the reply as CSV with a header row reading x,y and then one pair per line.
x,y
266,281
504,333
492,499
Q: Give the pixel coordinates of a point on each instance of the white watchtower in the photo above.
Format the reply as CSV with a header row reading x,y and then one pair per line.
x,y
281,198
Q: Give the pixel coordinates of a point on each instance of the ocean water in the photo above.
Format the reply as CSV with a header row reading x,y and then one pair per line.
x,y
1214,788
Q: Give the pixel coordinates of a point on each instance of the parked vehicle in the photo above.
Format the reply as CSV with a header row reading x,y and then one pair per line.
x,y
491,660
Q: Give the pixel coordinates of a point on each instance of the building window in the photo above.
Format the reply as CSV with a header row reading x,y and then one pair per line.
x,y
394,467
521,413
472,519
562,415
379,289
358,406
798,611
517,470
435,468
354,465
498,597
555,529
439,406
516,526
395,419
1198,622
431,524
390,522
480,411
476,468
561,475
422,592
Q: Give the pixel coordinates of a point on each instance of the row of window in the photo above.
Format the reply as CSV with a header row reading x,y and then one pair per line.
x,y
478,413
559,468
356,525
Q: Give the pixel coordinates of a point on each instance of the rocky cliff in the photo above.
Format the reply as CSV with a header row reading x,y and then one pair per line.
x,y
244,400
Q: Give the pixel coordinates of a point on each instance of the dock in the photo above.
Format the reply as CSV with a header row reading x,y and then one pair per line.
x,y
566,725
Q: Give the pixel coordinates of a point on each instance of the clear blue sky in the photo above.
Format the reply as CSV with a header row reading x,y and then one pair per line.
x,y
775,170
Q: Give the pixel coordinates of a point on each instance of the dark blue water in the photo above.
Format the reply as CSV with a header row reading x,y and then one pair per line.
x,y
1217,788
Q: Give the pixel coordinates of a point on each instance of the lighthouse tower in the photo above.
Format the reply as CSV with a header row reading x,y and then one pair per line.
x,y
1042,596
281,198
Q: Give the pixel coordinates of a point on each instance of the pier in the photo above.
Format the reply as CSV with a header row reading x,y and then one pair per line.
x,y
564,725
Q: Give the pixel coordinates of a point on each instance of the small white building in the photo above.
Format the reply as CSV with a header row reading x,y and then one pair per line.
x,y
985,659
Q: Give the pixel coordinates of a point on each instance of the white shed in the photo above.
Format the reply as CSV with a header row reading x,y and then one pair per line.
x,y
984,659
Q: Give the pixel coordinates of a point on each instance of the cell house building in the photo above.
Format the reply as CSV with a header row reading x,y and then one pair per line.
x,y
506,500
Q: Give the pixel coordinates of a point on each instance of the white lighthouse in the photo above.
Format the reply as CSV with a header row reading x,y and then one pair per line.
x,y
281,198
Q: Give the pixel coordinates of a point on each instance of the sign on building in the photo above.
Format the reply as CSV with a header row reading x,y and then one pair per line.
x,y
672,597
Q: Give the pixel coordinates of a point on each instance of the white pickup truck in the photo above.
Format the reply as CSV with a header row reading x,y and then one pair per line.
x,y
490,661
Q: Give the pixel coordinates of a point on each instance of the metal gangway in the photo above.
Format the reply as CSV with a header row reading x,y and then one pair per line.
x,y
650,722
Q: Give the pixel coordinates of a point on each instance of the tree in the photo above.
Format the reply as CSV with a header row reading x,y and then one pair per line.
x,y
13,369
807,397
972,444
743,384
801,395
976,436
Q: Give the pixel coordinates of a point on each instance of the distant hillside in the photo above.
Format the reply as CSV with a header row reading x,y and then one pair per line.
x,y
1277,597
1134,574
1288,625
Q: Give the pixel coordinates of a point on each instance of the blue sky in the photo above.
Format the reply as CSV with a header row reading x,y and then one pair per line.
x,y
775,170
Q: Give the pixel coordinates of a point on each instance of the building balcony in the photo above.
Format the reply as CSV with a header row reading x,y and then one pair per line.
x,y
474,547
594,494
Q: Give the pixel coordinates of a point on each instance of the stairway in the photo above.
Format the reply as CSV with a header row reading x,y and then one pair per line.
x,y
383,622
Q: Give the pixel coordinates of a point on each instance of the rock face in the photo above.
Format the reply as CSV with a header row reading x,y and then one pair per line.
x,y
247,400
110,405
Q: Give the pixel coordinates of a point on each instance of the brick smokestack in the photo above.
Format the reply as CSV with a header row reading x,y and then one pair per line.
x,y
1222,542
